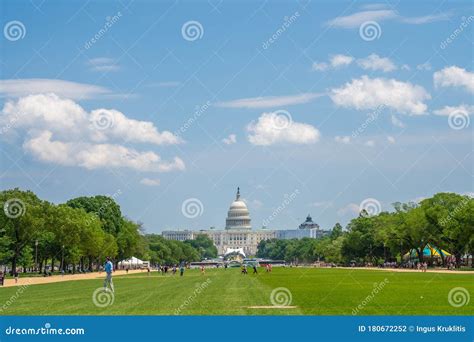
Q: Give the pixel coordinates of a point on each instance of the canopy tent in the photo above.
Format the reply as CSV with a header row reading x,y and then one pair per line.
x,y
133,263
428,252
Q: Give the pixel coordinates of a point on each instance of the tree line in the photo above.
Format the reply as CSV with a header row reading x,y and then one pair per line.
x,y
444,221
78,235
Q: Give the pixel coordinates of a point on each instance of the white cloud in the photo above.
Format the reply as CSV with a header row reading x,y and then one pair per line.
x,y
319,66
461,109
271,128
122,127
454,76
397,122
60,131
335,62
369,143
269,101
150,182
369,93
96,156
342,139
426,19
65,118
424,66
351,208
405,67
391,139
103,64
231,139
71,90
356,19
375,62
379,14
326,204
340,60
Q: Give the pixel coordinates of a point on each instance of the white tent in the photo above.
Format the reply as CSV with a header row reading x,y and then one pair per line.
x,y
133,263
236,251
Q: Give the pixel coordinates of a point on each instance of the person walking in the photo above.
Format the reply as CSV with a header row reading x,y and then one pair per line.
x,y
255,269
181,270
109,268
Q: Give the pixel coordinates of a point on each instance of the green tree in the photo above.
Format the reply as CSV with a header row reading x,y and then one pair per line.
x,y
129,241
104,207
336,231
204,245
451,222
21,220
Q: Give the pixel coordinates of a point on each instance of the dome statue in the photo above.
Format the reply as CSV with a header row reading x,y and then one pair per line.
x,y
238,216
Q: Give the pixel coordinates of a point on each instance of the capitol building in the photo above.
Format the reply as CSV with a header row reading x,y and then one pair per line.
x,y
238,235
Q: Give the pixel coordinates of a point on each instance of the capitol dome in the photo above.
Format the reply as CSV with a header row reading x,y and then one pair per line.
x,y
238,216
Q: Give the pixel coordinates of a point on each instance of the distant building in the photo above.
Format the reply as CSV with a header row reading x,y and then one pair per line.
x,y
179,235
239,235
307,229
309,224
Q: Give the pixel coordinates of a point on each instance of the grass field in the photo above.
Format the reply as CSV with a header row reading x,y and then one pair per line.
x,y
227,292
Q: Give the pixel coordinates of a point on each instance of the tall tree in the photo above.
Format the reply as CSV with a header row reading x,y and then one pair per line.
x,y
21,220
204,245
105,208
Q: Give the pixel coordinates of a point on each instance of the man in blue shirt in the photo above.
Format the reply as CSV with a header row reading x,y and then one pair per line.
x,y
109,268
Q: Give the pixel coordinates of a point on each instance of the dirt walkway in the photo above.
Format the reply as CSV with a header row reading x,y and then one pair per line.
x,y
407,270
58,278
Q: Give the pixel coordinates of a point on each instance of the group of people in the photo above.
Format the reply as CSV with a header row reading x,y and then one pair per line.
x,y
109,269
243,269
164,269
423,266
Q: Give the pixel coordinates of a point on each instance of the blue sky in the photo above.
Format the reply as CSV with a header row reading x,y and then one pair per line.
x,y
309,107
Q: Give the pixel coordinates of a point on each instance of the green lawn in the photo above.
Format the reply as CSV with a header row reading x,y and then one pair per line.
x,y
313,292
